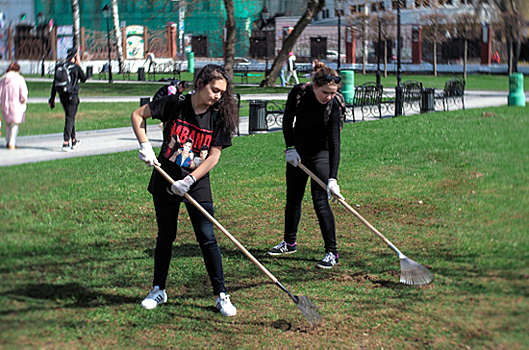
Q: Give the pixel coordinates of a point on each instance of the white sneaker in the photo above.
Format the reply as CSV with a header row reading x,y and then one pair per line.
x,y
155,297
225,306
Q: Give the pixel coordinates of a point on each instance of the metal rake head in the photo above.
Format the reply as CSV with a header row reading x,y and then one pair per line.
x,y
413,273
309,310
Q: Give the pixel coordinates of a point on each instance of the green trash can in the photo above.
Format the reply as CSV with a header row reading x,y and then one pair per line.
x,y
348,85
191,62
516,93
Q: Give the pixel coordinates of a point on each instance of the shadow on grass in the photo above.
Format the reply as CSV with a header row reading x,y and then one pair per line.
x,y
70,295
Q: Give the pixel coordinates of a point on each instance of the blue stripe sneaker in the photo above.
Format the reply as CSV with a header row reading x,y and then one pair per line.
x,y
155,297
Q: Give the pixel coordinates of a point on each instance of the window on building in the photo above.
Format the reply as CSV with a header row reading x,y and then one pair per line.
x,y
395,4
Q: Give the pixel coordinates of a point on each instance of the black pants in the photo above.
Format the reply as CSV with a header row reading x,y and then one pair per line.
x,y
296,182
70,103
167,209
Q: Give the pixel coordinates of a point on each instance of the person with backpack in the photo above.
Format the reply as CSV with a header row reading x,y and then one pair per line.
x,y
312,124
66,84
205,119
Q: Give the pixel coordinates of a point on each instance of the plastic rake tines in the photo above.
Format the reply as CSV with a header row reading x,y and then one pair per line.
x,y
413,273
309,310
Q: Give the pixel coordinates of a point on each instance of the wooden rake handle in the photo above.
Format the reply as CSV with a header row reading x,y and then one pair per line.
x,y
348,207
220,227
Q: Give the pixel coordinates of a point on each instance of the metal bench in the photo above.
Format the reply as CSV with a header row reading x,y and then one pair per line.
x,y
241,71
368,97
453,92
412,93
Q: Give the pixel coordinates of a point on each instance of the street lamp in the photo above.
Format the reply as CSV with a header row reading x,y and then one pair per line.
x,y
399,96
41,18
338,11
107,13
379,49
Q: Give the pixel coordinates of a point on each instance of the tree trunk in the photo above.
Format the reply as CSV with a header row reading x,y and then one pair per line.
x,y
117,33
76,25
313,7
465,57
434,59
230,37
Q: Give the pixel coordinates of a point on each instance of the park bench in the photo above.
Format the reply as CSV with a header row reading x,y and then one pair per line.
x,y
412,93
126,71
240,70
368,97
453,92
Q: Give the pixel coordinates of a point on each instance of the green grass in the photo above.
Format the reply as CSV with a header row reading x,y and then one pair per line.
x,y
449,189
40,119
474,82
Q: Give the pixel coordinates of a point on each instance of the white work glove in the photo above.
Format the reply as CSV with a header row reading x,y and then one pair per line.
x,y
147,154
292,156
181,187
333,190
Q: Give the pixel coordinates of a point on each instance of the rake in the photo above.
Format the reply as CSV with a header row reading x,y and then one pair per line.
x,y
412,272
305,305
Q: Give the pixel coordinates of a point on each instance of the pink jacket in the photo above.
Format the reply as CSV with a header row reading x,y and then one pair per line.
x,y
13,97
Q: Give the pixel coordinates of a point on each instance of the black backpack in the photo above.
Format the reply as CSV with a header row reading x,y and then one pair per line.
x,y
63,78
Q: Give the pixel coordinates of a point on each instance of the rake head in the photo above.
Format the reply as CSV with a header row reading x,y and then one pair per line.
x,y
413,273
309,310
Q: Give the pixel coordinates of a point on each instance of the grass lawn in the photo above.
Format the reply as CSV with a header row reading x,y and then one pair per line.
x,y
40,119
95,88
449,189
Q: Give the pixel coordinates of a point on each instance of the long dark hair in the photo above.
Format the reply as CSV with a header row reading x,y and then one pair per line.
x,y
227,105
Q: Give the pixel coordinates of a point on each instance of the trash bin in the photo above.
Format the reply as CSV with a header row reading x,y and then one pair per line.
x,y
191,62
144,100
427,100
89,72
516,93
257,120
348,85
141,74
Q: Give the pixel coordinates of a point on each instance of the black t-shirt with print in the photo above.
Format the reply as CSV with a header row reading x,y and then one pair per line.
x,y
187,139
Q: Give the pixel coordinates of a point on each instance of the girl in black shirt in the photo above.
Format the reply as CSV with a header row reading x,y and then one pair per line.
x,y
206,118
311,127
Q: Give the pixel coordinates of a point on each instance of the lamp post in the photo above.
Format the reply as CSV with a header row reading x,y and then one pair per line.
x,y
41,18
379,40
338,11
107,13
398,90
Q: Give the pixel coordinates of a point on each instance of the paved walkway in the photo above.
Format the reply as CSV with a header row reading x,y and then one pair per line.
x,y
48,147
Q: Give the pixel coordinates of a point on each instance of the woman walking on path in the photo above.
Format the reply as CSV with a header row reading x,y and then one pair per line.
x,y
205,118
313,140
13,96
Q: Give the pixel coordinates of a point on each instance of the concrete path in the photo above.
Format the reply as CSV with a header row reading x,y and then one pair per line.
x,y
48,147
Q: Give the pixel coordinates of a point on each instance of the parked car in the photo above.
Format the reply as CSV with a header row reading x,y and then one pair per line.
x,y
332,56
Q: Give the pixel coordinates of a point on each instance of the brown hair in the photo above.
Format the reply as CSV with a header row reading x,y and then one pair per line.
x,y
227,104
318,66
325,76
15,67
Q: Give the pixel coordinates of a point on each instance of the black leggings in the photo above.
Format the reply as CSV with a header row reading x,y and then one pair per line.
x,y
70,103
296,182
167,209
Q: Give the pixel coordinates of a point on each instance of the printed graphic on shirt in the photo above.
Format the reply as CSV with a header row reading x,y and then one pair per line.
x,y
188,146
